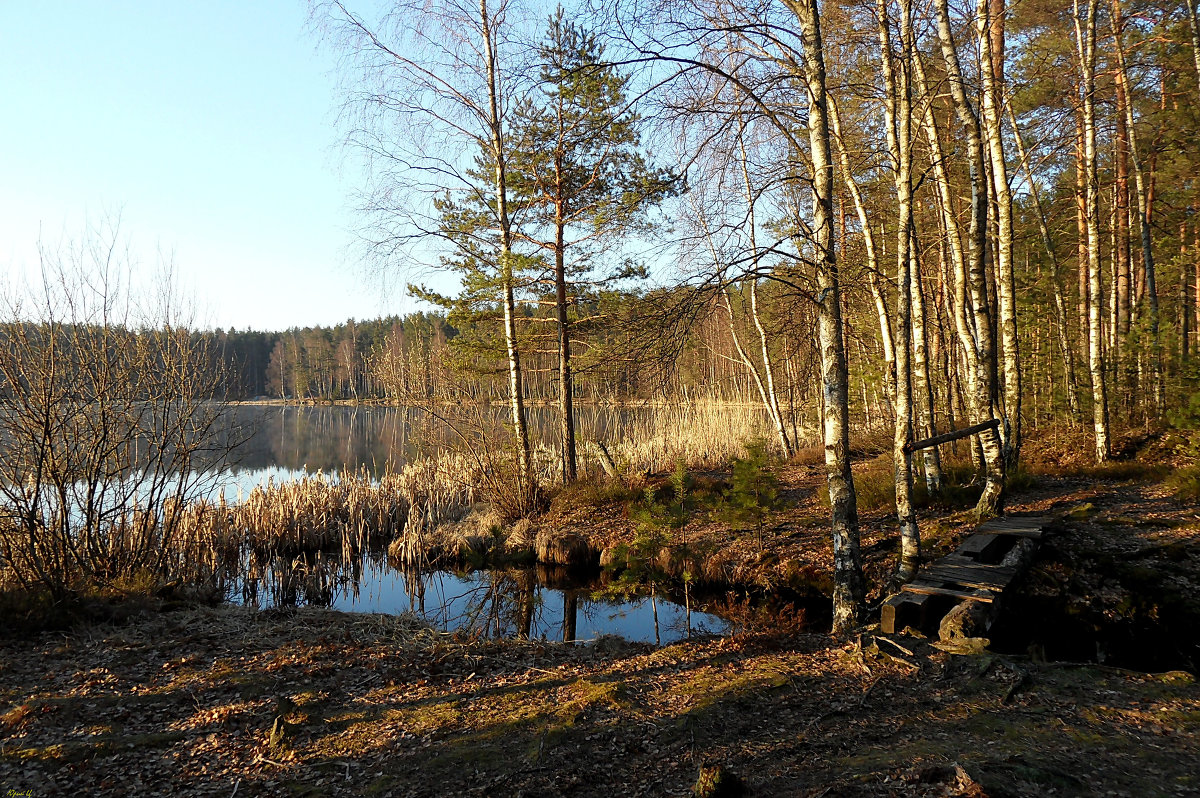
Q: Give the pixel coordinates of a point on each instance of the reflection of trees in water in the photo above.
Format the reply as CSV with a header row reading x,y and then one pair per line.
x,y
313,579
327,437
330,437
527,603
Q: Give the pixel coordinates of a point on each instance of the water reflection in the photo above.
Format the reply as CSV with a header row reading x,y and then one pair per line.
x,y
330,437
285,442
532,603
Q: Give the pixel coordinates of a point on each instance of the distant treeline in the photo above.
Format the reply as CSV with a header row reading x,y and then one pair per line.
x,y
630,346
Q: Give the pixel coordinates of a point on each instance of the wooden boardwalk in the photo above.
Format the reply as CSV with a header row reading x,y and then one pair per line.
x,y
979,570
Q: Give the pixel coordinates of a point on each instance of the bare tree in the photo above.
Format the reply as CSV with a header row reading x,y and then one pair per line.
x,y
109,411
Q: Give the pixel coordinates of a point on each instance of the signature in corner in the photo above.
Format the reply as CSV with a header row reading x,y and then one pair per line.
x,y
19,794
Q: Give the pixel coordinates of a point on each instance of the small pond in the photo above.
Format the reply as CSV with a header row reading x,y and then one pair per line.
x,y
286,442
537,603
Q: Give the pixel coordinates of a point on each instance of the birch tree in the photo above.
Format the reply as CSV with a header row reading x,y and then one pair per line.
x,y
989,22
429,92
847,564
1085,43
897,93
982,341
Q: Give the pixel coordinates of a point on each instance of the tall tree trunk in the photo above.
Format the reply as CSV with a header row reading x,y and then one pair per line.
x,y
515,383
1193,14
990,30
1123,261
566,388
1185,298
848,592
1145,192
922,380
1086,46
873,267
961,302
991,500
898,119
769,394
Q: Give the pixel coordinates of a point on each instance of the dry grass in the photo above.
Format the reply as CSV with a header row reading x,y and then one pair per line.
x,y
704,433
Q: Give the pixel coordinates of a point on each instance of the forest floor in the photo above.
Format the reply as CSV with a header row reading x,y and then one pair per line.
x,y
1089,688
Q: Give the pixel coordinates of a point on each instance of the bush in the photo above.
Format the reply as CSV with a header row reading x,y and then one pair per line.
x,y
108,424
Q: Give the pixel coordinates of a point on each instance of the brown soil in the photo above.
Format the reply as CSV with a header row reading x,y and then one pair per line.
x,y
229,702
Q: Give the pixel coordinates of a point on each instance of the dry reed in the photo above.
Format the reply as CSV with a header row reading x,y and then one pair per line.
x,y
704,433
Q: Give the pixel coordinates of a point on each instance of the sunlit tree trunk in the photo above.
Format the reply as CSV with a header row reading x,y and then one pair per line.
x,y
848,592
882,312
566,389
766,385
990,501
1193,15
1085,39
1185,297
1144,192
897,100
1123,260
990,29
515,384
1060,303
922,379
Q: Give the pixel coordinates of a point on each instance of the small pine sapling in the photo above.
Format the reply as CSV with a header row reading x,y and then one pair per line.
x,y
753,491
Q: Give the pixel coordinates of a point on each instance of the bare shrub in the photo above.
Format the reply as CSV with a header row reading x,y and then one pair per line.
x,y
109,414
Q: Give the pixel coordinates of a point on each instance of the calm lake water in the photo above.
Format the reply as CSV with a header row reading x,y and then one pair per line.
x,y
284,442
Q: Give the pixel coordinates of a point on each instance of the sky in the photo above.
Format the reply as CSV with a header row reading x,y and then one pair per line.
x,y
209,128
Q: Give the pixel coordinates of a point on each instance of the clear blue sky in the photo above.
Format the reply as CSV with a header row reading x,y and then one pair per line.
x,y
209,126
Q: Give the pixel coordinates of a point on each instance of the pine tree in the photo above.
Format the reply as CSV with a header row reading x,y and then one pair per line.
x,y
580,179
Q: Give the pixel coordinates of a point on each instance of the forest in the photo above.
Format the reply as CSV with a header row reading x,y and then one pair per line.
x,y
907,294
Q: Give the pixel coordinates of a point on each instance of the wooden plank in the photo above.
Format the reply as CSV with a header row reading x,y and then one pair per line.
x,y
970,568
982,546
965,579
1017,526
904,609
927,588
1018,522
958,561
946,437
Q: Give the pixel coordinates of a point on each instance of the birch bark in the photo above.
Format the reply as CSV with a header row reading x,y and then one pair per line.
x,y
991,500
1085,41
898,119
990,30
848,591
499,154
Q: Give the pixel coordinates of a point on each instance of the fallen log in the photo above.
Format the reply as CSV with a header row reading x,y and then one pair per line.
x,y
946,437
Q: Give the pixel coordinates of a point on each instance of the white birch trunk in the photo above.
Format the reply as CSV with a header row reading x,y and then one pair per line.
x,y
515,384
991,64
848,592
1085,40
898,119
991,500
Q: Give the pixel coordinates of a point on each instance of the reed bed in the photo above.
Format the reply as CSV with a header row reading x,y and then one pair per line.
x,y
704,433
347,512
